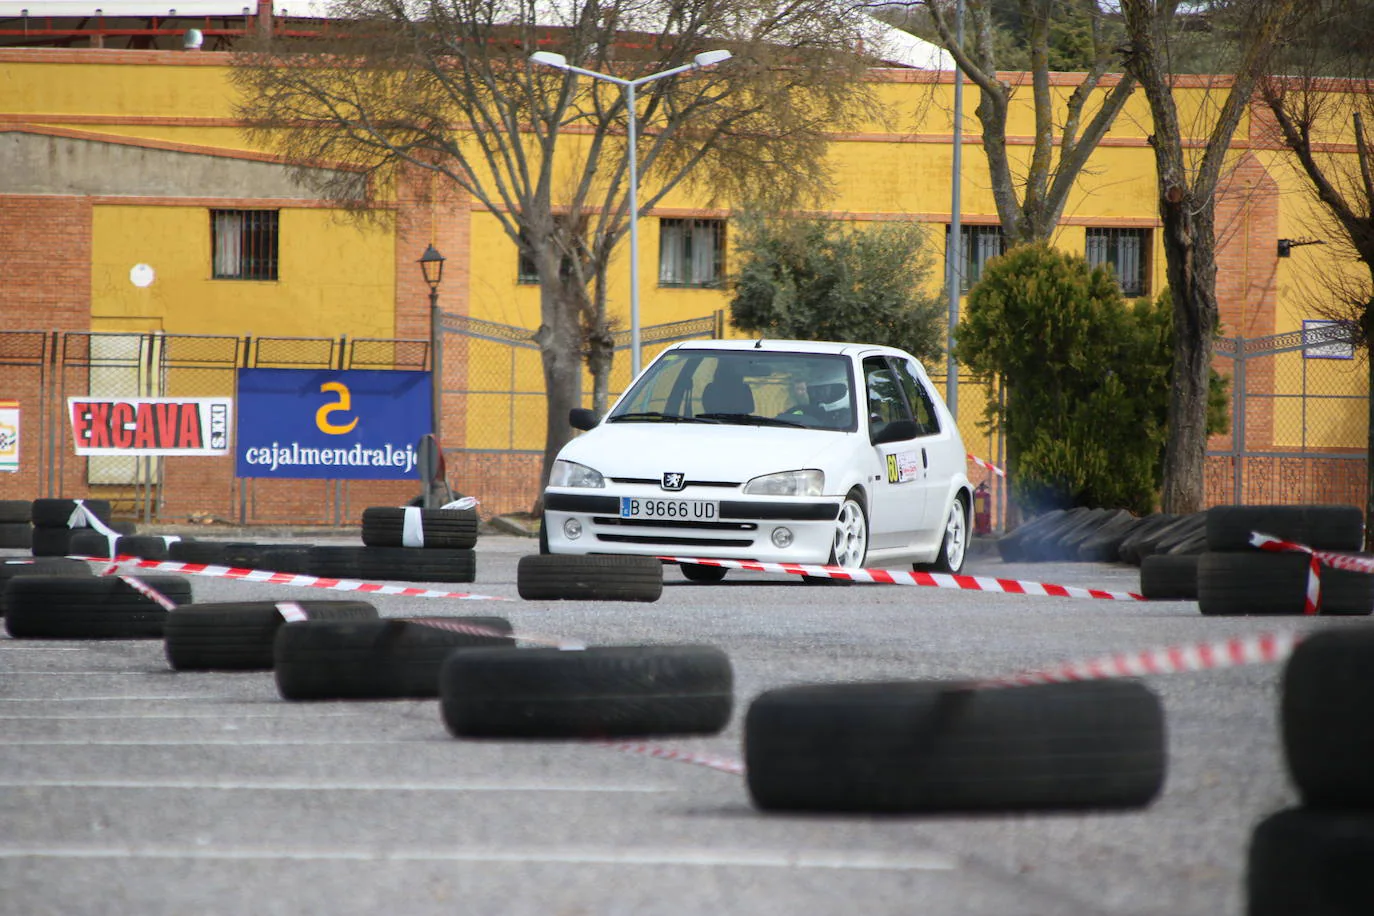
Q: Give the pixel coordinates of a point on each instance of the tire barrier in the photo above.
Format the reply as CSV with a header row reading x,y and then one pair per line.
x,y
395,563
600,692
1311,862
94,544
1339,528
1169,577
95,607
1315,858
377,659
1327,718
238,635
555,577
909,747
16,534
385,526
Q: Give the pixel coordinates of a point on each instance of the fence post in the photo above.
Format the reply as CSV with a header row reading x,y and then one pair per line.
x,y
1238,398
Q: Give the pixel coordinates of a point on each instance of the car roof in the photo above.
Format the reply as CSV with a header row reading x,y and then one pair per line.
x,y
766,345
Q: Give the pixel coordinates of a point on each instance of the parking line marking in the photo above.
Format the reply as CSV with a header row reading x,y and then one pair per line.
x,y
228,742
262,785
704,858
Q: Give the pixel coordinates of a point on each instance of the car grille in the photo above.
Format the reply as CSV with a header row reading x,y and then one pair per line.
x,y
683,533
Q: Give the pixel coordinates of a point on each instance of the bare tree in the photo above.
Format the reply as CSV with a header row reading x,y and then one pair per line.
x,y
446,87
1188,178
1030,197
1320,110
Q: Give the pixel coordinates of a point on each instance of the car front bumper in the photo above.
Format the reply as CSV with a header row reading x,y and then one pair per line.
x,y
745,528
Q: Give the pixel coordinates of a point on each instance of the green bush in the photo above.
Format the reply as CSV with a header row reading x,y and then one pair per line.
x,y
1086,376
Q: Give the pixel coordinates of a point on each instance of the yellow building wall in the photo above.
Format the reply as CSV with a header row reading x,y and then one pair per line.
x,y
335,276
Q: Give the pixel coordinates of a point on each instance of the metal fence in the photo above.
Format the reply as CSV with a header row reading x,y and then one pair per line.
x,y
1299,421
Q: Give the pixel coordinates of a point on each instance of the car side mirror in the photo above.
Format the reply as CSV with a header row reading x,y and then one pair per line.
x,y
896,431
582,418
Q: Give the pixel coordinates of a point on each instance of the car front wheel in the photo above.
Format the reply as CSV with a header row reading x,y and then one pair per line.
x,y
851,534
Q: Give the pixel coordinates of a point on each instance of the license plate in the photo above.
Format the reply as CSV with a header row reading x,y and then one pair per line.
x,y
690,510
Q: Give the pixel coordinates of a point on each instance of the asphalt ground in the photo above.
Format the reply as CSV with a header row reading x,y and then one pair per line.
x,y
126,787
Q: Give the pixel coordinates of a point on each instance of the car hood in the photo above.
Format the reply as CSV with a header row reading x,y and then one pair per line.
x,y
720,453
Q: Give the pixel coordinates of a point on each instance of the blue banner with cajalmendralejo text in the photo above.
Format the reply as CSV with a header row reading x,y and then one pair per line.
x,y
355,424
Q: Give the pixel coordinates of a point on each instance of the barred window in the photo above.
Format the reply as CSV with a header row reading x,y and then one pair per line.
x,y
244,244
691,252
977,246
1126,250
527,271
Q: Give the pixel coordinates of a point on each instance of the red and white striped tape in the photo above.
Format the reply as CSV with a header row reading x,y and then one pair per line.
x,y
279,578
987,464
147,591
1258,649
901,577
723,764
1312,601
471,629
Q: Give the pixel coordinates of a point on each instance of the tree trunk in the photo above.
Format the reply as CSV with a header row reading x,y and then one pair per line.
x,y
559,339
1190,251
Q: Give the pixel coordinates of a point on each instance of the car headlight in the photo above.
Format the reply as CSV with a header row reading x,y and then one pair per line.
x,y
572,474
788,483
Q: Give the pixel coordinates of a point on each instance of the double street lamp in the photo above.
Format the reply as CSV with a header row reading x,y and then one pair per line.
x,y
432,267
558,61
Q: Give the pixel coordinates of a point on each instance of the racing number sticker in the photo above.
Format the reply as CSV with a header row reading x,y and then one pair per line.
x,y
902,466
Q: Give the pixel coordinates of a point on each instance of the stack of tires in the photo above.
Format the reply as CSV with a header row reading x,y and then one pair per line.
x,y
1236,578
1315,858
408,544
240,555
15,529
91,543
56,522
89,607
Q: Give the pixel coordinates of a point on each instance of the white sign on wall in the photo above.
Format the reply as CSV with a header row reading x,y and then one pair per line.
x,y
9,436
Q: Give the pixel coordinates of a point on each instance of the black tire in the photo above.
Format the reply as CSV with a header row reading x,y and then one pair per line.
x,y
293,558
1311,863
378,659
933,746
87,542
605,692
236,554
1042,547
1129,551
1262,583
1166,577
1103,545
1318,527
697,572
554,577
96,607
454,529
56,513
1327,718
1011,547
1063,543
16,534
237,635
53,542
1193,545
40,566
1190,528
404,564
16,510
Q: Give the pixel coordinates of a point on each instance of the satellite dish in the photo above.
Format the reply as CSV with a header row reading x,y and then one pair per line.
x,y
193,40
142,276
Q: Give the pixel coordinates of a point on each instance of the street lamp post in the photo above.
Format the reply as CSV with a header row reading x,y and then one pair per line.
x,y
432,267
558,61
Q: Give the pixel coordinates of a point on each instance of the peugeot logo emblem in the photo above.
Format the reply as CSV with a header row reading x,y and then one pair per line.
x,y
674,480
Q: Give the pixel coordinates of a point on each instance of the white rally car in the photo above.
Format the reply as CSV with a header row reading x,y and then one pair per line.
x,y
778,451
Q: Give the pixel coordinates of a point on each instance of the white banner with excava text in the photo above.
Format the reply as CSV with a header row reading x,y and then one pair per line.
x,y
151,426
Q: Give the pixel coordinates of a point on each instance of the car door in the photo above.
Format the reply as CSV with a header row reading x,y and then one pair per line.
x,y
934,444
897,505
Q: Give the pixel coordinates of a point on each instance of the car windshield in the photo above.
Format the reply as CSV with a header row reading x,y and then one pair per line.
x,y
748,387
